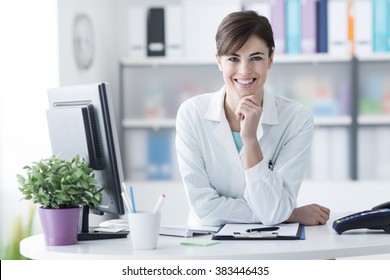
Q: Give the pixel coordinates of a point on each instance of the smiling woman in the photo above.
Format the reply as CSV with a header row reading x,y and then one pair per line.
x,y
29,66
242,151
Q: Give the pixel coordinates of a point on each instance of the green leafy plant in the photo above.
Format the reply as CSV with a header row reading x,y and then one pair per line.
x,y
56,183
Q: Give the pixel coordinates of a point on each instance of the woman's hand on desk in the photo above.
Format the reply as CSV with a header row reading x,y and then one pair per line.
x,y
310,215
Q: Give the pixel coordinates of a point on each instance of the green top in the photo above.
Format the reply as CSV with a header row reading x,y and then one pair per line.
x,y
237,140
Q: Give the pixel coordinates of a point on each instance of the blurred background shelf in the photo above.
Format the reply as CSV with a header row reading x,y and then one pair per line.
x,y
347,89
333,121
149,123
379,120
280,58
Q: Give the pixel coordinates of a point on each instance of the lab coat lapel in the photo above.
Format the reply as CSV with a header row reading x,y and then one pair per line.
x,y
269,115
223,133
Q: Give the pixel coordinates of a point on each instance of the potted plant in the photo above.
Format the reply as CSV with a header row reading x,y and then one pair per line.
x,y
61,187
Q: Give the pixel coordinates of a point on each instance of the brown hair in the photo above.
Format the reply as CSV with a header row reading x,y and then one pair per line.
x,y
236,28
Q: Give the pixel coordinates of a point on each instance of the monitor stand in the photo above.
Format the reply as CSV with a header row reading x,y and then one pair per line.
x,y
89,233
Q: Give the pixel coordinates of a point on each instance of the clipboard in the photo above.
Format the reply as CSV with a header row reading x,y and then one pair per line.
x,y
293,231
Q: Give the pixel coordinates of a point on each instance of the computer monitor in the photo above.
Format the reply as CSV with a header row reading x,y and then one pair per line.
x,y
81,120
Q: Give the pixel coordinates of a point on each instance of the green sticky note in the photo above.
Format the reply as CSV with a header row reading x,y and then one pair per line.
x,y
198,242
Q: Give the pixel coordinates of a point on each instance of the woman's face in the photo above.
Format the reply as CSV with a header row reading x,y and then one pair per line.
x,y
245,72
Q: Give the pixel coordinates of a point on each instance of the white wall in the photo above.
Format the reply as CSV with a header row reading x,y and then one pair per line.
x,y
109,20
28,67
104,21
37,54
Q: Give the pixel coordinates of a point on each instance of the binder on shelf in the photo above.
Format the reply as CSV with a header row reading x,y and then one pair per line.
x,y
388,25
380,16
137,31
351,27
159,163
338,27
156,32
322,26
136,157
293,26
278,25
363,18
174,31
293,231
201,20
308,43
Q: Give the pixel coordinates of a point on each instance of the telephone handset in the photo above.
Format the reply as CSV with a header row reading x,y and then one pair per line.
x,y
376,218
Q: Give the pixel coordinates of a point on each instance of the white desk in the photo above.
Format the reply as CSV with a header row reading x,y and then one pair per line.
x,y
321,243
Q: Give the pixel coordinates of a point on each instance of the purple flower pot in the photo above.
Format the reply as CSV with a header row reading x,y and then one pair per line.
x,y
60,226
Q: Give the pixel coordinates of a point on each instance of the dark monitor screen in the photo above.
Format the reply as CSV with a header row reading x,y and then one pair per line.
x,y
81,120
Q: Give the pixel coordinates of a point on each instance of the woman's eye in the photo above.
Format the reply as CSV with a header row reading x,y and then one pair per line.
x,y
233,59
257,58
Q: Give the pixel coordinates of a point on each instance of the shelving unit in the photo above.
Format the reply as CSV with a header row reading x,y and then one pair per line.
x,y
157,85
158,63
135,74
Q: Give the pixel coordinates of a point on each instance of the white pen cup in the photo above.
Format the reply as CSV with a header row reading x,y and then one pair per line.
x,y
144,229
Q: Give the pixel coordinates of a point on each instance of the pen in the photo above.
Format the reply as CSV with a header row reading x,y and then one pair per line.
x,y
270,165
126,201
262,229
159,203
125,190
132,198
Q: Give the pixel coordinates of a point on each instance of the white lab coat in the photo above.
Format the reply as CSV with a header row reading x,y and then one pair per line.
x,y
218,188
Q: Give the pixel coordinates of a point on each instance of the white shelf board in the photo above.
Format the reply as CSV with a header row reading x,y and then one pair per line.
x,y
374,57
333,121
279,59
157,61
374,120
311,58
149,123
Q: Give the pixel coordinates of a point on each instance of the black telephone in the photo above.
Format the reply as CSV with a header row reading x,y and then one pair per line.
x,y
376,218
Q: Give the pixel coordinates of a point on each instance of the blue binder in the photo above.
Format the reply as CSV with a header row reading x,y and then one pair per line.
x,y
388,25
159,156
380,26
293,26
322,26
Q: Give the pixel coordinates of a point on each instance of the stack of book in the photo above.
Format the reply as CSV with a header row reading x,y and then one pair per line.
x,y
339,27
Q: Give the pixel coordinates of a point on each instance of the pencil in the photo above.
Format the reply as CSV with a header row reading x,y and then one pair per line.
x,y
159,203
132,199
